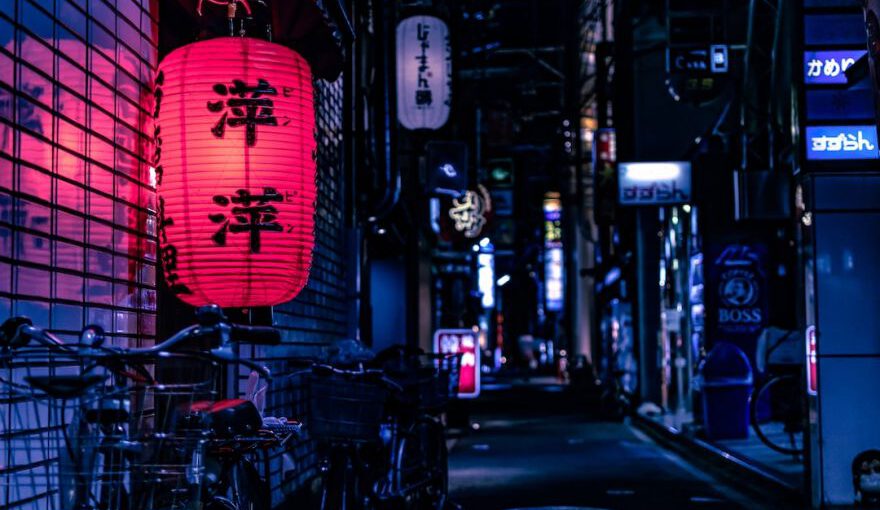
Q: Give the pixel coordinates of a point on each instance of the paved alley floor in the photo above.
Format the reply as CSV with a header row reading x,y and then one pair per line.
x,y
535,448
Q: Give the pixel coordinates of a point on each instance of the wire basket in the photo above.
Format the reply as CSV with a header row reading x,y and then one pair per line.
x,y
448,368
345,407
80,436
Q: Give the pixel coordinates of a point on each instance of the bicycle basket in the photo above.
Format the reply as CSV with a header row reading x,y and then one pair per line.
x,y
345,408
81,436
446,382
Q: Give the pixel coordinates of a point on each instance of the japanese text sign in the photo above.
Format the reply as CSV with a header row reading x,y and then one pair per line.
x,y
829,67
841,142
234,161
654,183
424,72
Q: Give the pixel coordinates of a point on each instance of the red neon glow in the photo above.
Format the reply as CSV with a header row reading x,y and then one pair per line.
x,y
235,168
464,341
94,184
812,362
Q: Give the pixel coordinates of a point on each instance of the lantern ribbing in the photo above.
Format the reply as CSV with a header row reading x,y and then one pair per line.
x,y
236,170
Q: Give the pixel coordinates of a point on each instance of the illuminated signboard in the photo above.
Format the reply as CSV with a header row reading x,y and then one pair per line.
x,y
841,142
829,67
464,341
468,212
713,59
486,278
424,72
654,183
812,361
553,280
552,220
447,168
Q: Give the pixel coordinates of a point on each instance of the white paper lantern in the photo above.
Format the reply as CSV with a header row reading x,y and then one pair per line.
x,y
424,72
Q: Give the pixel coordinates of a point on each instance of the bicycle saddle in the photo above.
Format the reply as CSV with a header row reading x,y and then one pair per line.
x,y
224,418
64,386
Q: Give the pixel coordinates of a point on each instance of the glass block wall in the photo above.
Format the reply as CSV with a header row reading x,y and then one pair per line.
x,y
77,227
77,221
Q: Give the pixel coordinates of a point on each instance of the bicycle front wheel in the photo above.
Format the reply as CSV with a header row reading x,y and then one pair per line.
x,y
784,432
247,490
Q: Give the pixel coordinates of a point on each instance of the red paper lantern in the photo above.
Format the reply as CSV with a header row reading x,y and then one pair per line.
x,y
235,168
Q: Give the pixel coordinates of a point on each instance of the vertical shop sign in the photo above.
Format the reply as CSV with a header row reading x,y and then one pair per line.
x,y
424,72
554,274
737,287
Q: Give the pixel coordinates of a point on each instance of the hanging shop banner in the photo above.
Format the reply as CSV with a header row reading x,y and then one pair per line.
x,y
842,142
465,342
424,72
235,168
447,168
736,294
654,183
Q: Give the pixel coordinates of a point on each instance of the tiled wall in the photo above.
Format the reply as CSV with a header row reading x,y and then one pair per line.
x,y
77,227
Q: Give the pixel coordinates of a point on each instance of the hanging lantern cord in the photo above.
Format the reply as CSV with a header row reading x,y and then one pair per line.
x,y
263,17
231,6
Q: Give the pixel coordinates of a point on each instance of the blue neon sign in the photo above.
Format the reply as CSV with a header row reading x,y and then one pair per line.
x,y
842,142
829,67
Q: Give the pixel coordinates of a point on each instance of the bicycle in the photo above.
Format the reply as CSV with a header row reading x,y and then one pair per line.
x,y
380,428
784,388
214,437
418,463
85,428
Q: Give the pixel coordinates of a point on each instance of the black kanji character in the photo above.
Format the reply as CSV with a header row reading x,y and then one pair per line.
x,y
424,98
249,111
169,265
251,213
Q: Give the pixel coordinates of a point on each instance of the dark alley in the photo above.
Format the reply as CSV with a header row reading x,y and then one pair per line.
x,y
535,447
439,254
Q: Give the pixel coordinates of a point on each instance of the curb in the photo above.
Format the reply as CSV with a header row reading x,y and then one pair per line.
x,y
743,475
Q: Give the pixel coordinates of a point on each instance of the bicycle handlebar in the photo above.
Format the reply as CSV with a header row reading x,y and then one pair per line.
x,y
260,335
19,331
372,373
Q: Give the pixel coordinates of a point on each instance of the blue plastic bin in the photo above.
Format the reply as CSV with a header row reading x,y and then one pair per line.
x,y
726,388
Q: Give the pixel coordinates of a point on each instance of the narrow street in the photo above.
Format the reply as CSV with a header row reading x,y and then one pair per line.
x,y
536,447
